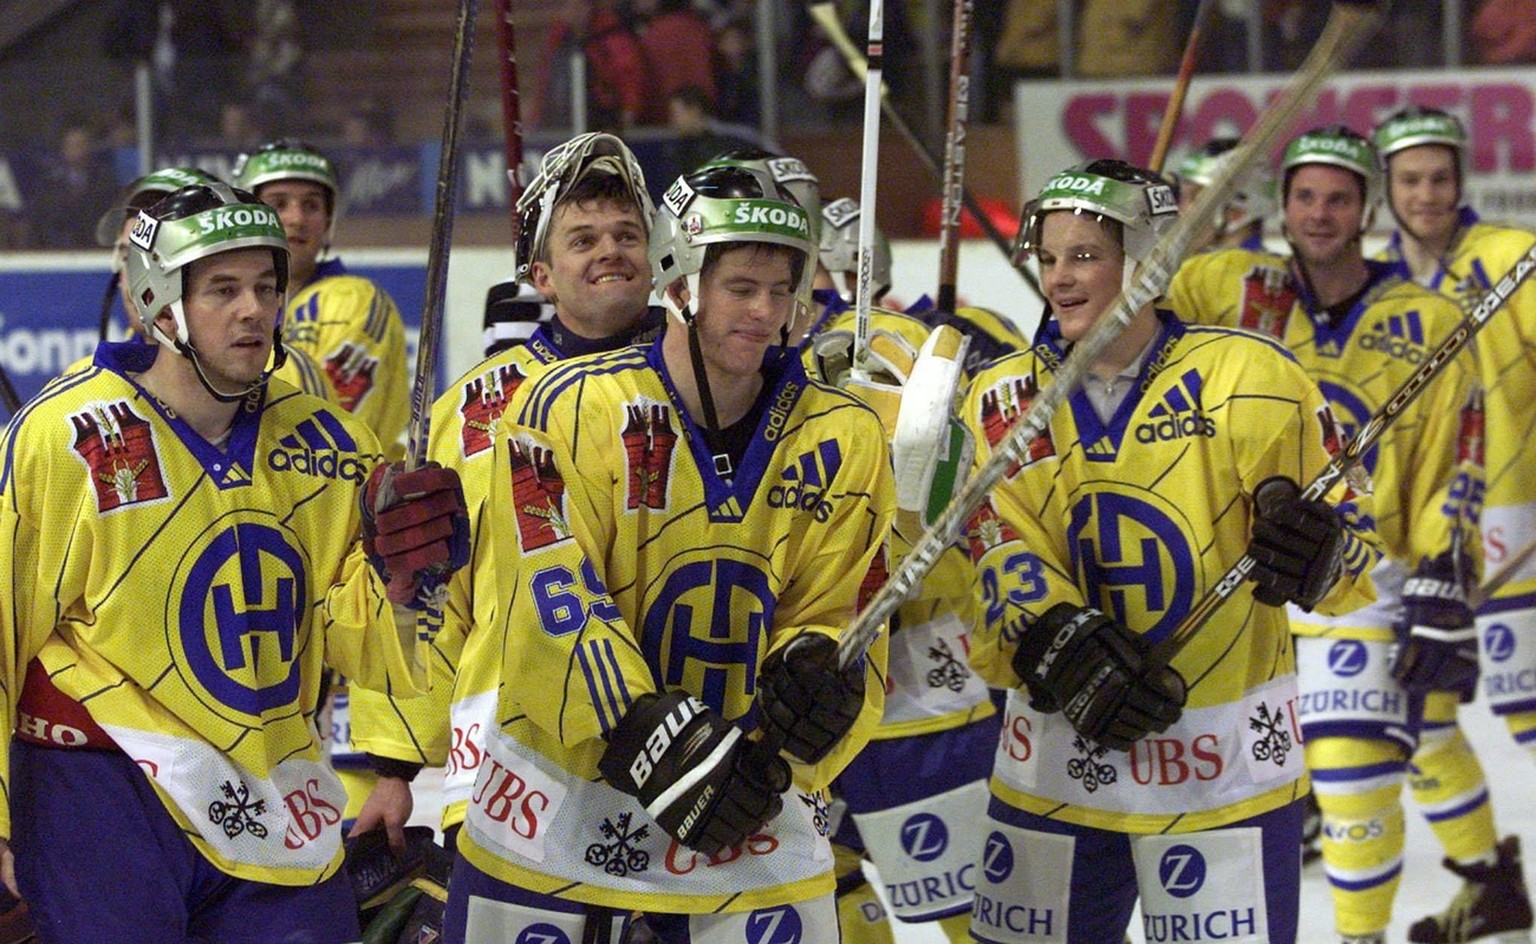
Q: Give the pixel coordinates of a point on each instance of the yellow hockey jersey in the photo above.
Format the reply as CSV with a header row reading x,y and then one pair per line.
x,y
188,596
1139,517
930,687
645,563
448,726
299,370
1420,494
352,329
1480,256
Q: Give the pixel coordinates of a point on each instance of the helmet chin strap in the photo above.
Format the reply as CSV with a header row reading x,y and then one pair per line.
x,y
684,313
185,349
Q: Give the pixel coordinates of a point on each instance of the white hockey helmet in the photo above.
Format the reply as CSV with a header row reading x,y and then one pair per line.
x,y
790,173
839,249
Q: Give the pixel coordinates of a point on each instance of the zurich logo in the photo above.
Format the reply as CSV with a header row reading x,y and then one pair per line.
x,y
1347,658
1499,642
1182,871
997,860
924,837
779,925
542,934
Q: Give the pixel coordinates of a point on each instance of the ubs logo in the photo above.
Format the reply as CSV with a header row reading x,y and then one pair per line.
x,y
1182,871
997,859
924,837
1347,658
1499,642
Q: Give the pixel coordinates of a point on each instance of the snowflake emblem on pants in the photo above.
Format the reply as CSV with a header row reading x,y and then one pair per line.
x,y
1273,743
239,815
619,856
819,807
950,673
1090,768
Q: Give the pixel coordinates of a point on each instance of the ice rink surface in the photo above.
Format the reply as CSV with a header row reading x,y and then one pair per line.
x,y
1425,888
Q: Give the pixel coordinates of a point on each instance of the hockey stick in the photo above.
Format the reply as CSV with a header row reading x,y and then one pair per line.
x,y
1180,90
825,15
1364,440
104,324
511,109
1348,25
442,238
1484,592
9,398
954,151
875,57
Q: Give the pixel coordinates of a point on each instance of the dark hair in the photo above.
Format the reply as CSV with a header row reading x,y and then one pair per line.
x,y
590,190
797,260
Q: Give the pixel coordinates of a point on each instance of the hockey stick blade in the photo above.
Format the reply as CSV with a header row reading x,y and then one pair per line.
x,y
1348,27
1357,447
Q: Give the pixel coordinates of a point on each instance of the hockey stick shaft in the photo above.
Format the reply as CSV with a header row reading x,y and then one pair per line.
x,y
875,57
1363,442
954,151
9,398
511,108
1348,25
825,15
442,238
1180,90
1512,565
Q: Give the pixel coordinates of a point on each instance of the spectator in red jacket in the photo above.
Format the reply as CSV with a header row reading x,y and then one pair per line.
x,y
679,46
617,80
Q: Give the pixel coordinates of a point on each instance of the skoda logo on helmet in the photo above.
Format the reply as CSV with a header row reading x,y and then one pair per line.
x,y
775,215
298,159
143,232
1076,184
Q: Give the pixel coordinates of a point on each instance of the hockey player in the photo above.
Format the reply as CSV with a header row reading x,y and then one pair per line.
x,y
346,323
1446,248
189,567
693,523
585,229
349,326
938,718
1118,774
113,229
1240,224
1361,329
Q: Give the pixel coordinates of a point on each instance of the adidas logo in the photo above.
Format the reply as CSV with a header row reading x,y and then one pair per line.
x,y
804,484
1179,416
1397,336
321,447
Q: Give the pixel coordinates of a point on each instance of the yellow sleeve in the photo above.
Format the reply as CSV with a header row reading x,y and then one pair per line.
x,y
848,565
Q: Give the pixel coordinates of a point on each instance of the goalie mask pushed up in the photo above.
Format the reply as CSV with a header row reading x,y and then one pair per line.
x,y
563,167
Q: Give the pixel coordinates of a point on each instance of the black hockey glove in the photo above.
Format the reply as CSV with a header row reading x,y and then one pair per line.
x,y
1080,662
804,704
694,773
1297,546
1436,640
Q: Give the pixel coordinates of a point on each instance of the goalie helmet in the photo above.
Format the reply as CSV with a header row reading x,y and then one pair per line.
x,y
1139,200
789,173
1254,195
563,167
1336,146
725,204
194,223
839,250
144,193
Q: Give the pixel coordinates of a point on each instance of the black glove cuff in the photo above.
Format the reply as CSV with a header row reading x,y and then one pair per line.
x,y
390,767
